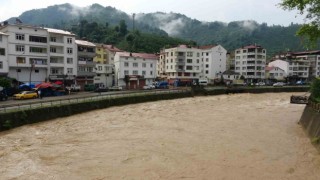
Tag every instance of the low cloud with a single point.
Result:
(249, 25)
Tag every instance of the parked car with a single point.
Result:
(25, 95)
(203, 82)
(278, 84)
(101, 89)
(162, 85)
(89, 87)
(148, 87)
(300, 83)
(260, 84)
(115, 88)
(3, 96)
(74, 87)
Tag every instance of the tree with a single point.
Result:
(123, 28)
(4, 82)
(311, 10)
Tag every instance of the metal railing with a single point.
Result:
(63, 100)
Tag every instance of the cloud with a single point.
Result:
(249, 24)
(167, 22)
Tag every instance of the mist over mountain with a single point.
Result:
(274, 38)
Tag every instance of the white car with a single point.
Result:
(148, 87)
(278, 84)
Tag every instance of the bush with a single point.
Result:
(315, 90)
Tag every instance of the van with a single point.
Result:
(203, 82)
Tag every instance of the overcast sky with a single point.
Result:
(203, 10)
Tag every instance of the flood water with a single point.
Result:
(241, 136)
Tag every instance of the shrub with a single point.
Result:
(315, 90)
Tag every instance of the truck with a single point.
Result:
(74, 87)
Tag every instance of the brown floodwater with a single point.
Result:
(240, 136)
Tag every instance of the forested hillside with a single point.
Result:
(150, 32)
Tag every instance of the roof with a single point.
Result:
(270, 68)
(206, 47)
(251, 46)
(85, 43)
(4, 34)
(112, 48)
(230, 72)
(138, 55)
(59, 31)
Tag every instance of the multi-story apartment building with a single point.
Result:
(275, 73)
(105, 64)
(214, 60)
(302, 65)
(27, 52)
(134, 70)
(37, 54)
(4, 68)
(187, 64)
(86, 52)
(63, 55)
(250, 62)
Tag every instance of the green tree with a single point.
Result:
(311, 10)
(4, 82)
(123, 28)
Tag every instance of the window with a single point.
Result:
(38, 39)
(189, 54)
(20, 48)
(126, 64)
(151, 65)
(54, 71)
(20, 37)
(69, 70)
(53, 49)
(189, 60)
(189, 68)
(69, 60)
(18, 70)
(143, 72)
(144, 65)
(207, 59)
(207, 65)
(69, 50)
(21, 60)
(1, 65)
(207, 54)
(2, 52)
(151, 73)
(198, 54)
(135, 72)
(126, 72)
(198, 61)
(207, 72)
(0, 38)
(53, 39)
(171, 61)
(100, 68)
(69, 40)
(37, 50)
(135, 64)
(36, 70)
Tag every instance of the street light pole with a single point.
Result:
(31, 68)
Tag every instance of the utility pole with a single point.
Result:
(133, 15)
(31, 68)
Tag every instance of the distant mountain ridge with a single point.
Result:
(230, 35)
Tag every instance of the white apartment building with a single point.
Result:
(111, 51)
(63, 56)
(299, 67)
(37, 54)
(27, 52)
(214, 62)
(4, 67)
(275, 73)
(104, 75)
(134, 70)
(250, 62)
(187, 64)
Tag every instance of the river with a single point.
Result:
(239, 136)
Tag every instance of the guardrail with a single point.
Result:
(95, 97)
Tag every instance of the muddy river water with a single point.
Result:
(241, 136)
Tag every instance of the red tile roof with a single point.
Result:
(139, 55)
(112, 48)
(251, 46)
